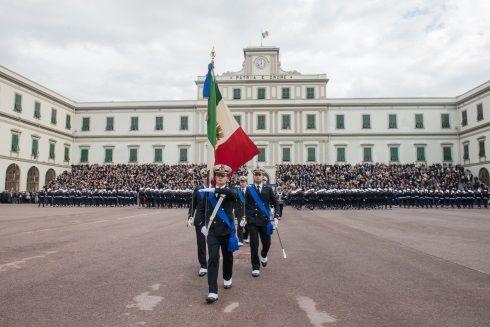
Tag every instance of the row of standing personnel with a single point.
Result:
(379, 198)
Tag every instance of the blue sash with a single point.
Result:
(240, 195)
(233, 242)
(201, 193)
(262, 208)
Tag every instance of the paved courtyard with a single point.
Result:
(138, 267)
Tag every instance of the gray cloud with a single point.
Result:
(153, 50)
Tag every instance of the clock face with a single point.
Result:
(261, 63)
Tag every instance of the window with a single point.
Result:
(261, 122)
(311, 124)
(51, 150)
(133, 155)
(340, 154)
(261, 155)
(158, 155)
(37, 110)
(311, 154)
(445, 121)
(237, 94)
(261, 93)
(134, 123)
(68, 122)
(85, 123)
(67, 153)
(109, 124)
(159, 123)
(420, 153)
(340, 122)
(286, 121)
(35, 147)
(108, 155)
(286, 154)
(184, 123)
(464, 118)
(310, 93)
(392, 121)
(447, 155)
(419, 121)
(238, 119)
(84, 155)
(183, 154)
(18, 102)
(53, 116)
(479, 111)
(285, 92)
(481, 152)
(368, 154)
(366, 121)
(394, 154)
(466, 151)
(15, 143)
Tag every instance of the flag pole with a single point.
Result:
(261, 38)
(208, 182)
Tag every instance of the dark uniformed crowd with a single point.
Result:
(372, 186)
(387, 198)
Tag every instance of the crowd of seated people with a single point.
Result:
(145, 185)
(379, 185)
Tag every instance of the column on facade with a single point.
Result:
(271, 119)
(296, 121)
(250, 123)
(276, 121)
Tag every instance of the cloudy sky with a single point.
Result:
(117, 50)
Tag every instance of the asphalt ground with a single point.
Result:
(138, 267)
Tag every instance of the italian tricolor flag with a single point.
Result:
(265, 34)
(229, 144)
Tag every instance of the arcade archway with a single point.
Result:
(12, 180)
(484, 177)
(33, 179)
(50, 175)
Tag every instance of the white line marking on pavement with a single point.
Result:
(155, 287)
(231, 307)
(90, 222)
(16, 264)
(40, 230)
(145, 214)
(145, 301)
(317, 318)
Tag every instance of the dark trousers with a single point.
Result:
(265, 239)
(201, 247)
(240, 232)
(214, 244)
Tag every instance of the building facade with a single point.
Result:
(287, 114)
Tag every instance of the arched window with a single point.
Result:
(50, 175)
(33, 179)
(484, 177)
(12, 181)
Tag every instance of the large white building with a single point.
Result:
(287, 114)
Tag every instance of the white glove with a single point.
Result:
(204, 230)
(276, 221)
(209, 189)
(243, 222)
(190, 222)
